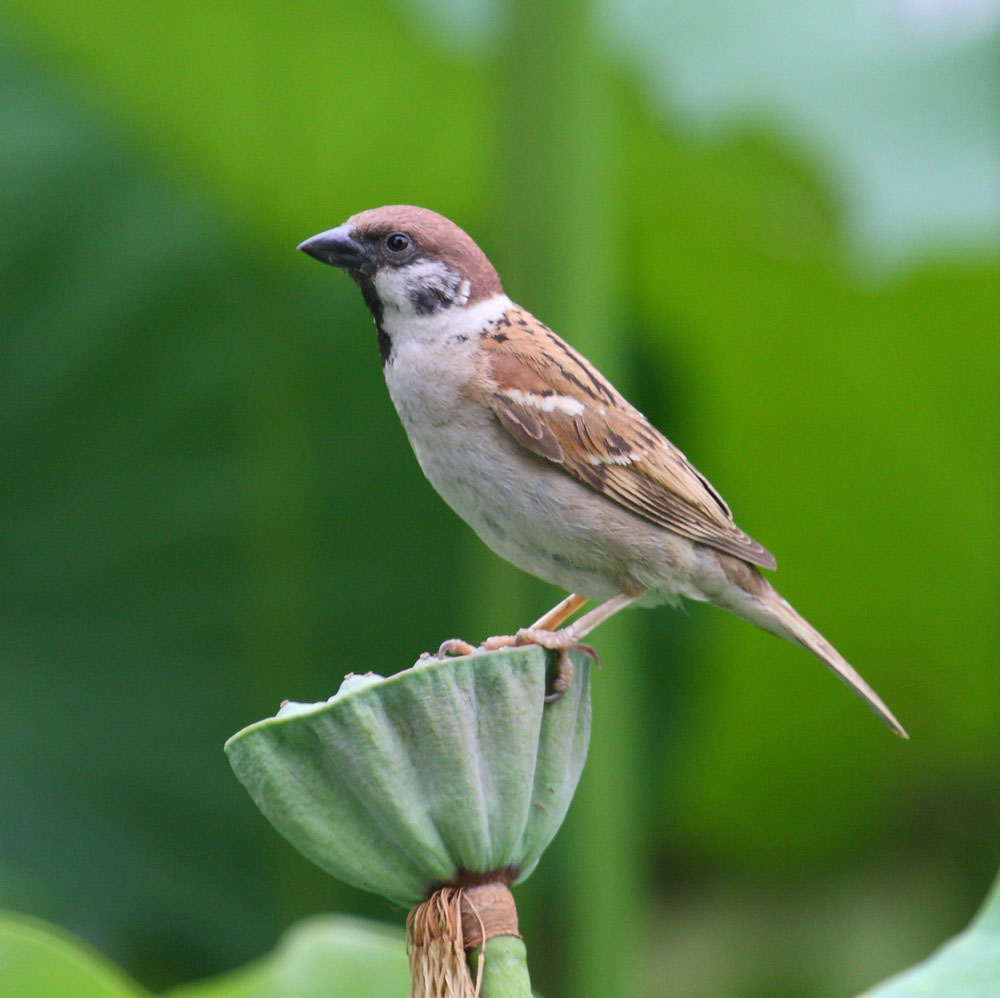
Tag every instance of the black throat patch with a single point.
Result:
(374, 304)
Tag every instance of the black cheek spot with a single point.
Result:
(500, 337)
(427, 300)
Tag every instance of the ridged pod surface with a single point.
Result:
(443, 773)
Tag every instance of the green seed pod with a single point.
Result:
(445, 773)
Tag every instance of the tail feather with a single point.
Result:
(781, 619)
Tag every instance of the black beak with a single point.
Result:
(337, 247)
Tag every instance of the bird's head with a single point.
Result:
(407, 260)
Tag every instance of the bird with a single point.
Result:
(547, 462)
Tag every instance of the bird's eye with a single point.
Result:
(398, 242)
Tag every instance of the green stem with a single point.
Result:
(566, 238)
(505, 968)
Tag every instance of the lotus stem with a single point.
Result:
(464, 943)
(505, 968)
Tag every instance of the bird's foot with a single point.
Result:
(454, 646)
(553, 640)
(563, 677)
(500, 641)
(563, 642)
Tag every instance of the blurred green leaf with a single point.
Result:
(322, 956)
(41, 961)
(318, 957)
(966, 967)
(892, 101)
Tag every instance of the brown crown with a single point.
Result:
(435, 236)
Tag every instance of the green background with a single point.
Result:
(776, 230)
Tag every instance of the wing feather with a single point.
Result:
(554, 403)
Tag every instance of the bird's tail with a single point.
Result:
(769, 610)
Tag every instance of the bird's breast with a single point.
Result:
(427, 384)
(527, 509)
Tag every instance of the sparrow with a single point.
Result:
(551, 466)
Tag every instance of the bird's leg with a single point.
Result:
(560, 612)
(547, 622)
(569, 637)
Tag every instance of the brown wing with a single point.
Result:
(553, 402)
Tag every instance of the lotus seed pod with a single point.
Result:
(446, 773)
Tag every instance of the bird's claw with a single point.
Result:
(562, 642)
(563, 678)
(454, 646)
(500, 641)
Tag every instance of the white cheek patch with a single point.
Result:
(391, 286)
(546, 403)
(421, 287)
